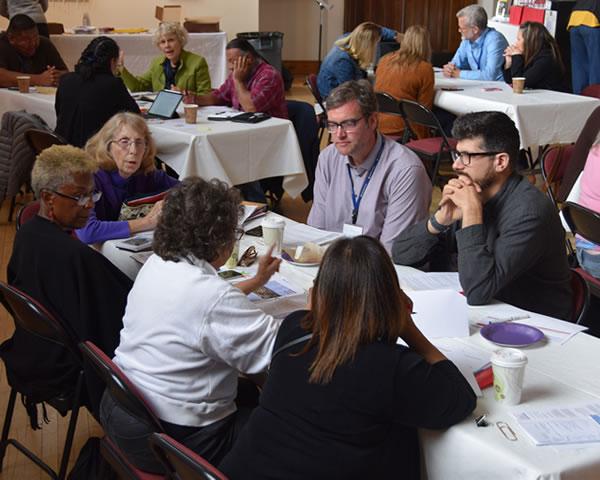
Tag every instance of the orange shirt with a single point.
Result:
(401, 82)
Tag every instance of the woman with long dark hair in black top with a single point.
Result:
(92, 94)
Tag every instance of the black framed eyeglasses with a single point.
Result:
(249, 257)
(465, 157)
(239, 233)
(347, 125)
(82, 200)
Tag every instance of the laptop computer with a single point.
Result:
(165, 105)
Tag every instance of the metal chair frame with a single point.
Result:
(48, 327)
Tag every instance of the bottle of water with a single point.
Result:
(86, 20)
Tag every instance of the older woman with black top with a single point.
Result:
(92, 94)
(343, 399)
(536, 56)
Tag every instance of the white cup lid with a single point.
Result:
(270, 222)
(509, 357)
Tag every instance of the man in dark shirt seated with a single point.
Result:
(73, 281)
(501, 233)
(24, 52)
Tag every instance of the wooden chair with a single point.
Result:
(126, 394)
(431, 150)
(32, 317)
(586, 223)
(180, 462)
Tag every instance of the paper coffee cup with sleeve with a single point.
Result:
(508, 365)
(273, 229)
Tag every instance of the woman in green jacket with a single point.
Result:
(175, 68)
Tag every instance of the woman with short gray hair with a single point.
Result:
(175, 69)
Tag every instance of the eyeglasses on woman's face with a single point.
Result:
(82, 200)
(126, 143)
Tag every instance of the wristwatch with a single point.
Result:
(437, 225)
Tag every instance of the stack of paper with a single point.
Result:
(561, 425)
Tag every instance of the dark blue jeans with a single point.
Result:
(585, 57)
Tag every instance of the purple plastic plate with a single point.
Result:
(508, 334)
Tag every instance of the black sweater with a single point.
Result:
(363, 424)
(517, 255)
(83, 106)
(543, 72)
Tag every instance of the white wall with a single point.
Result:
(236, 15)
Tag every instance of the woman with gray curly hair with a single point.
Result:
(187, 332)
(176, 68)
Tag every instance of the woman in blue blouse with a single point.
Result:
(351, 55)
(124, 151)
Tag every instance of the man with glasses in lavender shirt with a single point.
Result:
(500, 232)
(365, 183)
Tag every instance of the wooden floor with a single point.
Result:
(48, 442)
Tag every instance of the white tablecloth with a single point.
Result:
(542, 116)
(140, 50)
(233, 152)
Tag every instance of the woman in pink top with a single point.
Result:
(588, 253)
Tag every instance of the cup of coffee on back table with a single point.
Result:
(518, 84)
(191, 112)
(23, 82)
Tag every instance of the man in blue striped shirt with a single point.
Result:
(480, 54)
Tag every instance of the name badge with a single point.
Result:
(352, 230)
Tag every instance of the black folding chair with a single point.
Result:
(431, 150)
(31, 316)
(389, 105)
(180, 462)
(311, 83)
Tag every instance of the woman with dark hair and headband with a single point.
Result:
(92, 94)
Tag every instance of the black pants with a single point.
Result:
(131, 434)
(43, 30)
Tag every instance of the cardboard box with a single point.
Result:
(202, 24)
(168, 13)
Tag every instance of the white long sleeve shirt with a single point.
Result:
(186, 335)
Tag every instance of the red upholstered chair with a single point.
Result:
(127, 395)
(180, 462)
(555, 162)
(31, 316)
(388, 104)
(592, 91)
(431, 150)
(586, 223)
(27, 212)
(311, 83)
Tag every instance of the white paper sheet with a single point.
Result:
(298, 233)
(281, 307)
(431, 281)
(466, 358)
(561, 425)
(440, 313)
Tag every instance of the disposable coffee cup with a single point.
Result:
(23, 82)
(518, 84)
(273, 233)
(191, 112)
(508, 365)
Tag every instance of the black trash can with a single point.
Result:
(268, 44)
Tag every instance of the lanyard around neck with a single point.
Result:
(356, 201)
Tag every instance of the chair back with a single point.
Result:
(40, 140)
(180, 462)
(592, 91)
(311, 83)
(123, 391)
(388, 104)
(582, 221)
(581, 296)
(584, 142)
(32, 316)
(555, 162)
(27, 213)
(417, 114)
